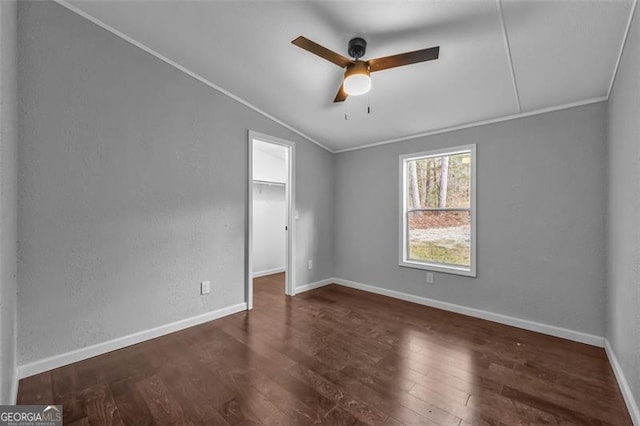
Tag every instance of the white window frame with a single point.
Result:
(403, 243)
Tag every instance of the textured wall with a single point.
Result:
(623, 301)
(540, 212)
(8, 210)
(314, 205)
(132, 188)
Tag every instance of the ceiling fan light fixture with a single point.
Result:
(357, 74)
(357, 79)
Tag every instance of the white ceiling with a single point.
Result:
(497, 58)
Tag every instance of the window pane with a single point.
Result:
(440, 237)
(439, 182)
(459, 181)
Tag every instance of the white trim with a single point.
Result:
(203, 80)
(248, 244)
(507, 46)
(478, 123)
(290, 196)
(268, 272)
(625, 389)
(624, 42)
(13, 393)
(42, 365)
(551, 330)
(402, 192)
(313, 286)
(185, 70)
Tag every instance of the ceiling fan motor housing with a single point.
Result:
(357, 47)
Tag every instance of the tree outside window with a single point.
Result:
(438, 211)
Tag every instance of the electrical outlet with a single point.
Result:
(310, 264)
(429, 277)
(205, 287)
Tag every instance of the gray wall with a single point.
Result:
(8, 203)
(314, 204)
(132, 189)
(623, 291)
(540, 212)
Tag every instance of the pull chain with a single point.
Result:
(346, 109)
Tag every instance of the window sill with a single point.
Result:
(455, 270)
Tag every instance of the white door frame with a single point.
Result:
(290, 202)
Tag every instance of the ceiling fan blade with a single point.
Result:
(321, 51)
(341, 96)
(379, 64)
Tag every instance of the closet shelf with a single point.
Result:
(269, 183)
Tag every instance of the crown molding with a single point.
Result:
(479, 123)
(219, 89)
(184, 69)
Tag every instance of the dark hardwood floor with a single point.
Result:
(338, 356)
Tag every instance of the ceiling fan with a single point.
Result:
(357, 80)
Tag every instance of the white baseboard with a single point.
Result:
(268, 272)
(56, 361)
(627, 394)
(312, 286)
(564, 333)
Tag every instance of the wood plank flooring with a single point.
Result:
(338, 356)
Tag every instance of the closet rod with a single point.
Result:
(267, 182)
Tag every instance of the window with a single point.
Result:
(437, 208)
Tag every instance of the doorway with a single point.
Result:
(270, 211)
